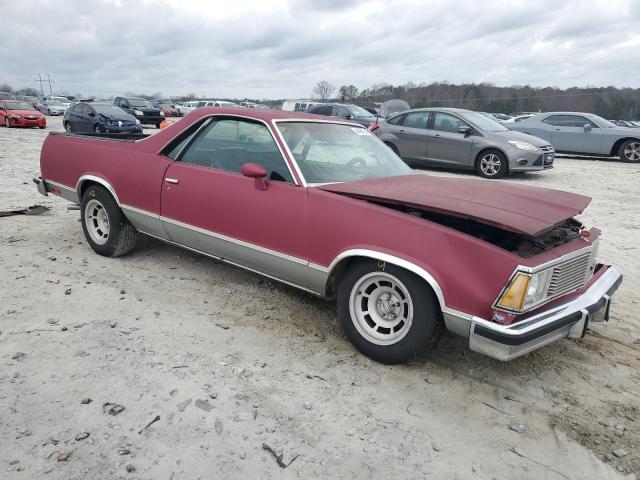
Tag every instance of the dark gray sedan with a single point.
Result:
(458, 138)
(584, 134)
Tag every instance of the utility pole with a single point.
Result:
(49, 79)
(40, 80)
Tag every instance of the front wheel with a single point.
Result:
(388, 313)
(98, 129)
(105, 227)
(67, 127)
(630, 151)
(492, 164)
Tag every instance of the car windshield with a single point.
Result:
(483, 122)
(107, 109)
(18, 106)
(332, 153)
(139, 102)
(357, 111)
(54, 102)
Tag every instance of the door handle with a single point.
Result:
(172, 180)
(557, 129)
(401, 130)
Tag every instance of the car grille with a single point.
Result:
(572, 274)
(546, 148)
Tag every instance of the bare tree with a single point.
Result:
(352, 92)
(323, 90)
(5, 87)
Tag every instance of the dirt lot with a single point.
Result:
(162, 326)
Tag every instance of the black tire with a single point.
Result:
(426, 324)
(158, 125)
(67, 127)
(121, 236)
(98, 129)
(488, 160)
(392, 147)
(42, 127)
(629, 151)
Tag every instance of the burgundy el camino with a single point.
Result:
(323, 205)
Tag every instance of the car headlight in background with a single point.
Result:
(522, 145)
(525, 291)
(137, 112)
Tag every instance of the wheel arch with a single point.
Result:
(341, 263)
(85, 180)
(616, 146)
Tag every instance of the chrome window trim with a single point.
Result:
(539, 268)
(245, 117)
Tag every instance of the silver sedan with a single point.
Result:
(584, 134)
(453, 137)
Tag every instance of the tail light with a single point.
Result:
(373, 126)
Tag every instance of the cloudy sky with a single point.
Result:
(280, 49)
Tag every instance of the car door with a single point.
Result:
(208, 205)
(412, 136)
(574, 133)
(446, 144)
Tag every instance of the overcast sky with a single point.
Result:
(270, 49)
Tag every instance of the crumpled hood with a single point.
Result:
(515, 208)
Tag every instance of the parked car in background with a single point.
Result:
(185, 108)
(50, 107)
(457, 138)
(57, 98)
(373, 111)
(343, 110)
(518, 118)
(624, 123)
(336, 213)
(99, 117)
(248, 104)
(298, 105)
(583, 134)
(220, 103)
(141, 109)
(168, 110)
(16, 113)
(7, 96)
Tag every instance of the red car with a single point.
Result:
(168, 110)
(16, 113)
(323, 205)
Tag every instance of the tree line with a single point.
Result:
(608, 102)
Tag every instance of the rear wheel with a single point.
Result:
(388, 313)
(105, 227)
(392, 147)
(630, 151)
(492, 164)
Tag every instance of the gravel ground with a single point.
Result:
(162, 326)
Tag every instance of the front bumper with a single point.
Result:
(571, 319)
(531, 161)
(123, 129)
(150, 120)
(28, 122)
(40, 186)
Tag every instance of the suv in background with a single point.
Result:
(141, 109)
(7, 96)
(346, 111)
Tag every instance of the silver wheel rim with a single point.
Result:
(97, 221)
(381, 308)
(490, 164)
(632, 152)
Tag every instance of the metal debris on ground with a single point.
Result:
(112, 408)
(218, 426)
(278, 457)
(32, 210)
(131, 468)
(150, 423)
(82, 436)
(203, 405)
(183, 405)
(124, 451)
(63, 457)
(86, 401)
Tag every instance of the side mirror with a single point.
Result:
(257, 172)
(465, 130)
(92, 114)
(587, 127)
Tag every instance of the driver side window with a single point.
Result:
(227, 144)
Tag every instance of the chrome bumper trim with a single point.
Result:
(42, 189)
(505, 342)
